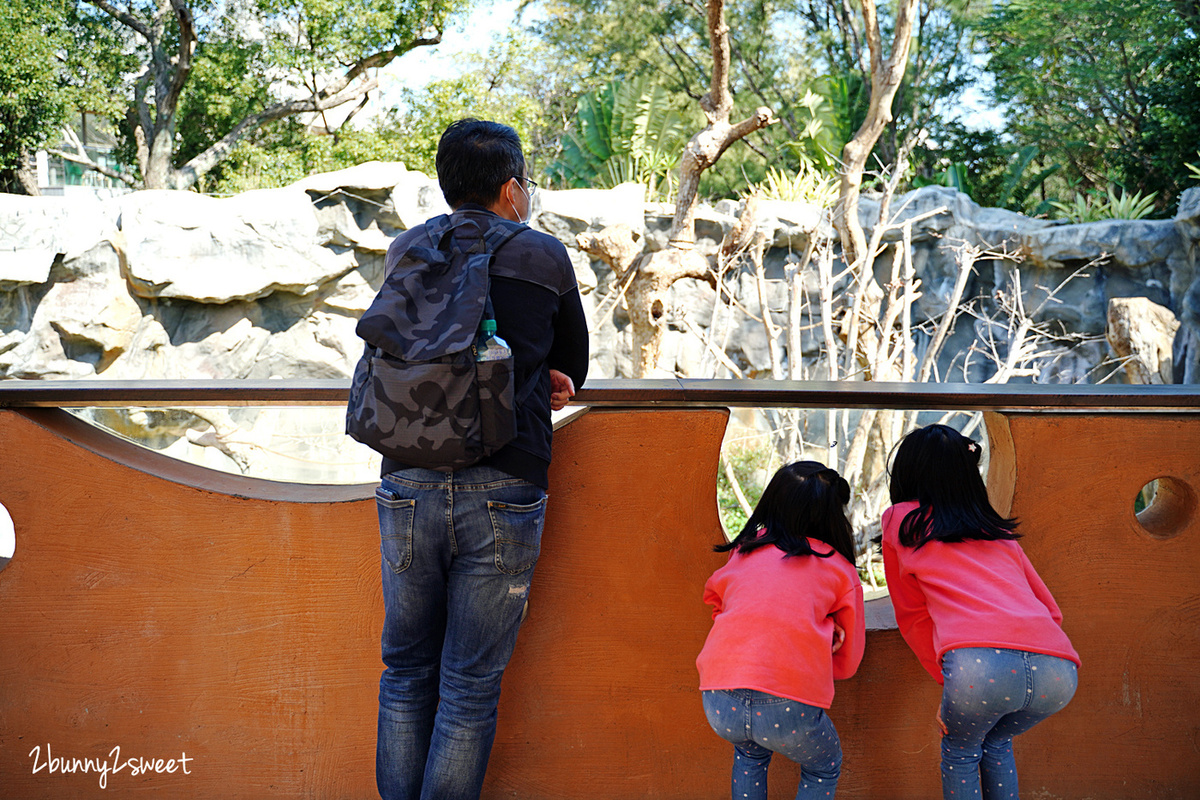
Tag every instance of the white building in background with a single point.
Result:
(58, 177)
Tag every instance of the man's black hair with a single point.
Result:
(804, 500)
(939, 468)
(475, 158)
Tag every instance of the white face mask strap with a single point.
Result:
(524, 220)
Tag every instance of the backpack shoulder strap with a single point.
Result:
(495, 237)
(498, 234)
(438, 227)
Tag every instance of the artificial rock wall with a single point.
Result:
(269, 284)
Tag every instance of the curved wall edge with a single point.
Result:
(122, 451)
(1002, 462)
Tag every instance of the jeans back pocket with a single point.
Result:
(395, 528)
(518, 532)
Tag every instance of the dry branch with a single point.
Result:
(886, 75)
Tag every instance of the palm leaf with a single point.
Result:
(625, 131)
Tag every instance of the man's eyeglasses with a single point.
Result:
(530, 184)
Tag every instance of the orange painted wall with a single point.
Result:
(143, 613)
(167, 609)
(1131, 602)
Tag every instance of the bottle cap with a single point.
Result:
(488, 326)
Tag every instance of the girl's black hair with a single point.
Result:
(804, 499)
(939, 468)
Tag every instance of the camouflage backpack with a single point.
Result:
(418, 395)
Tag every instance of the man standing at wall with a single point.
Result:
(459, 547)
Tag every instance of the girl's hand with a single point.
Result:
(562, 389)
(941, 725)
(839, 637)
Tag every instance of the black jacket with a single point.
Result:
(539, 314)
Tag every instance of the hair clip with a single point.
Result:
(973, 447)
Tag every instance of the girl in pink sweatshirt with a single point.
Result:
(787, 622)
(972, 608)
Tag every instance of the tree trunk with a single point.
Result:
(158, 172)
(649, 279)
(656, 273)
(707, 146)
(1142, 334)
(27, 177)
(704, 150)
(885, 81)
(152, 115)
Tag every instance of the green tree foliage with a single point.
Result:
(1172, 126)
(1093, 207)
(32, 101)
(207, 74)
(1108, 88)
(500, 84)
(995, 174)
(845, 97)
(226, 85)
(1015, 187)
(56, 63)
(783, 53)
(667, 43)
(626, 131)
(287, 152)
(943, 62)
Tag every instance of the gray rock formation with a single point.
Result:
(1185, 288)
(270, 284)
(1141, 334)
(187, 246)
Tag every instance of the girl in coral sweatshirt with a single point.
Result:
(972, 608)
(787, 622)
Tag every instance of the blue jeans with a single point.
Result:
(989, 696)
(458, 554)
(760, 724)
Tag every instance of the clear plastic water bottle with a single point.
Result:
(489, 346)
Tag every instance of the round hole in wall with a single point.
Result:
(1167, 506)
(8, 538)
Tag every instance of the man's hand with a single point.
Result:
(839, 637)
(562, 389)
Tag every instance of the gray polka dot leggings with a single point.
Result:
(760, 724)
(989, 696)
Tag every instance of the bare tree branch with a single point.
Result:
(190, 172)
(82, 158)
(707, 146)
(92, 165)
(124, 17)
(965, 257)
(736, 486)
(886, 76)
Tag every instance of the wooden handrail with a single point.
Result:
(643, 393)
